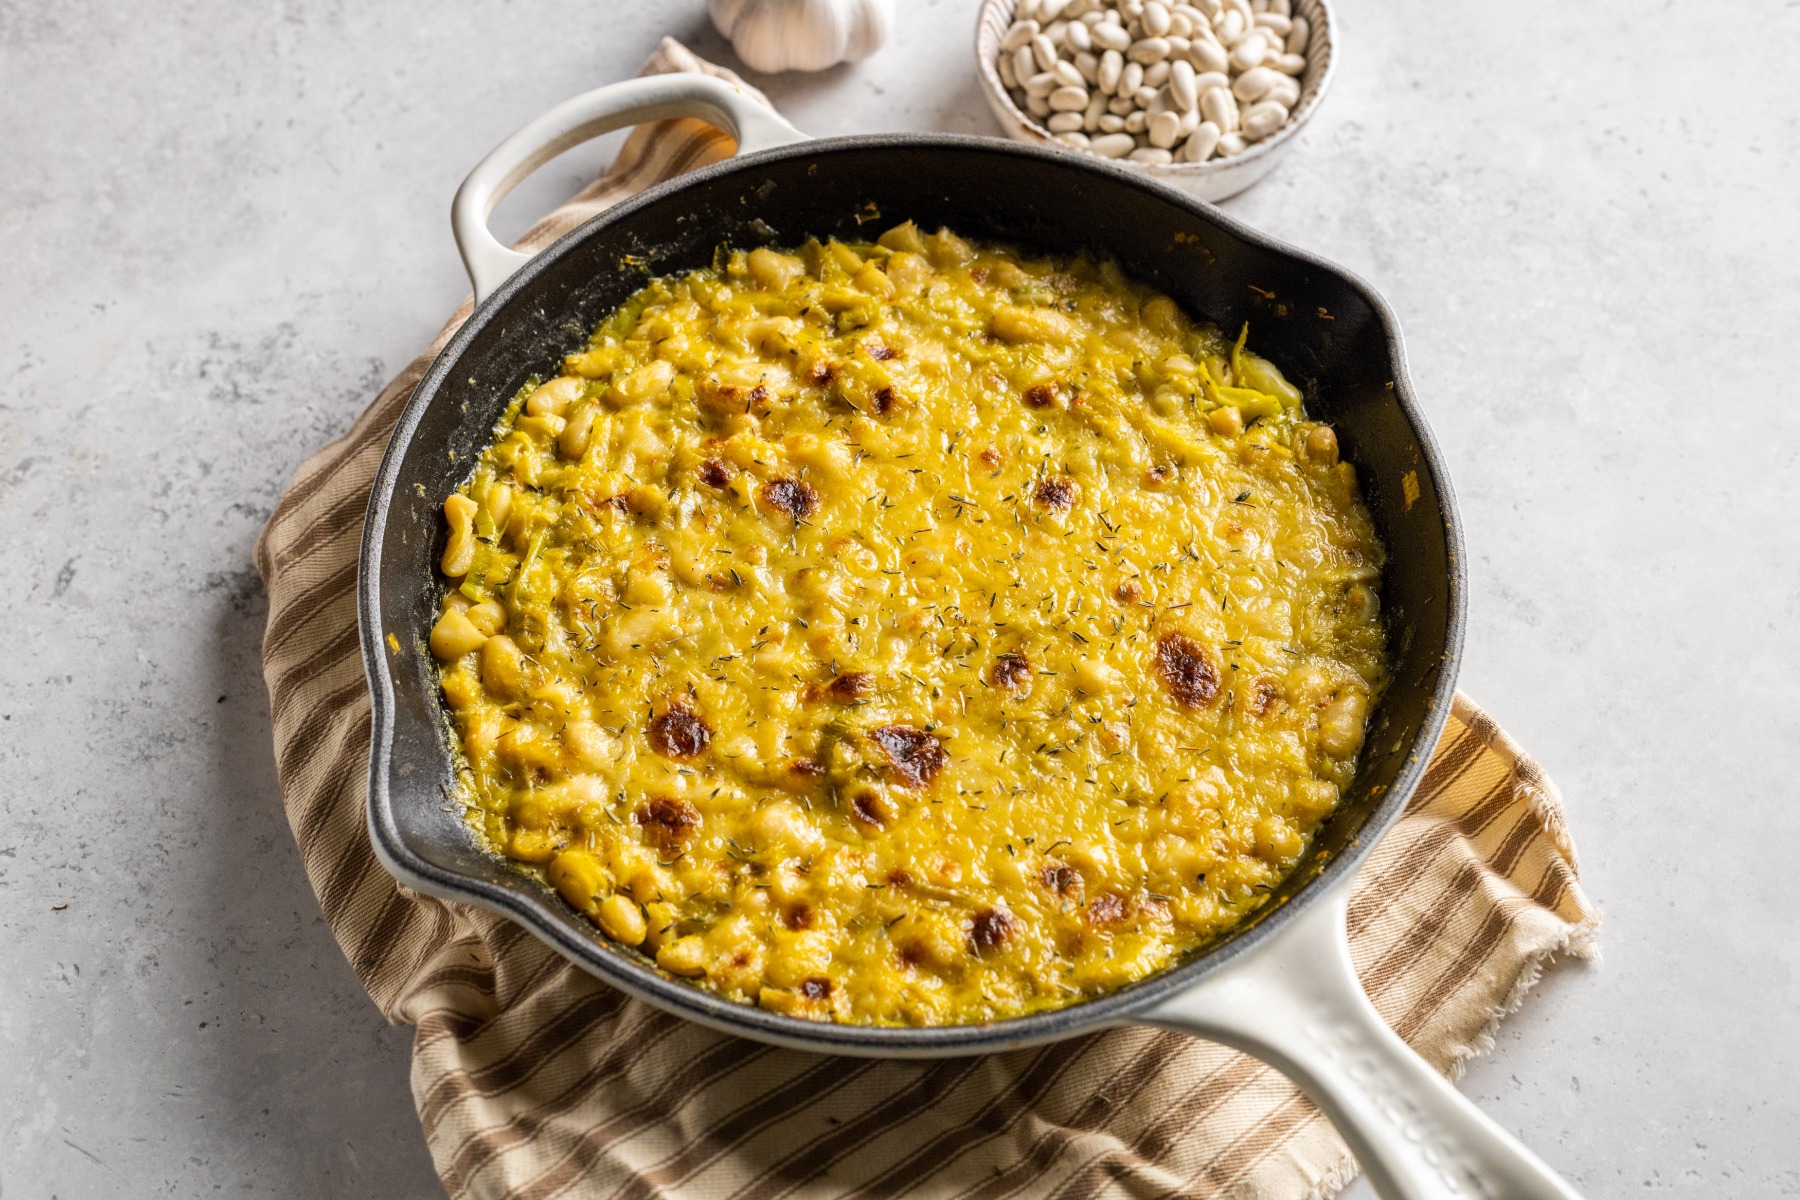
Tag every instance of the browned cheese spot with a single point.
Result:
(1055, 493)
(850, 687)
(881, 353)
(820, 373)
(1155, 477)
(883, 401)
(1262, 698)
(992, 927)
(1186, 671)
(714, 474)
(899, 878)
(1108, 908)
(1010, 672)
(798, 500)
(871, 808)
(816, 989)
(1129, 592)
(915, 756)
(678, 732)
(992, 458)
(1060, 878)
(806, 768)
(668, 822)
(1040, 395)
(798, 917)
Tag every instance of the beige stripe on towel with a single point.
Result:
(535, 1080)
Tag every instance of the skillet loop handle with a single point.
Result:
(1295, 1003)
(649, 98)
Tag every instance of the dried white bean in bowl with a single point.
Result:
(1156, 81)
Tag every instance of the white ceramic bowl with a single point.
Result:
(1214, 179)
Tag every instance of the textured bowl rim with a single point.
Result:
(996, 15)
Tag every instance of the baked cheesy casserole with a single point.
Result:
(912, 632)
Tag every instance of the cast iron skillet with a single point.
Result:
(1281, 987)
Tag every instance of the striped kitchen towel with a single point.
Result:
(536, 1080)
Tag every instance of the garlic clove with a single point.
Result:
(802, 35)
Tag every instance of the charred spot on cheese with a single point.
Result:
(1186, 670)
(992, 927)
(678, 732)
(1010, 671)
(791, 496)
(871, 808)
(1060, 878)
(816, 988)
(1108, 908)
(1155, 477)
(914, 756)
(992, 458)
(1057, 494)
(883, 401)
(1263, 696)
(821, 373)
(1129, 592)
(667, 822)
(899, 877)
(806, 768)
(798, 916)
(881, 352)
(714, 474)
(851, 686)
(1041, 395)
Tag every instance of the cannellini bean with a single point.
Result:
(1232, 143)
(1054, 31)
(1148, 50)
(1037, 106)
(1121, 105)
(1024, 62)
(1064, 122)
(455, 635)
(1068, 99)
(459, 553)
(1018, 34)
(1111, 122)
(1153, 155)
(1163, 129)
(1049, 10)
(1210, 79)
(1148, 99)
(1114, 145)
(1074, 138)
(1156, 18)
(1044, 51)
(1260, 120)
(1285, 93)
(1181, 85)
(1283, 7)
(1230, 26)
(1113, 37)
(622, 920)
(1207, 8)
(1157, 73)
(1201, 143)
(1090, 120)
(1288, 64)
(1255, 83)
(1067, 74)
(1217, 106)
(1299, 31)
(1089, 66)
(1274, 22)
(1076, 37)
(1249, 51)
(1112, 63)
(1180, 25)
(1008, 78)
(1190, 120)
(1207, 55)
(1137, 122)
(1041, 84)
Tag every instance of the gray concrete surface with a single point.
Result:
(223, 225)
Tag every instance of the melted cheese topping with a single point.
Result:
(911, 632)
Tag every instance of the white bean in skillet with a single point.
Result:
(1156, 81)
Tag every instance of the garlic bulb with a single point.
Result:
(802, 35)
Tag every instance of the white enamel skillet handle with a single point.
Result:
(648, 98)
(1294, 1001)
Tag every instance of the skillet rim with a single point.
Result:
(525, 903)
